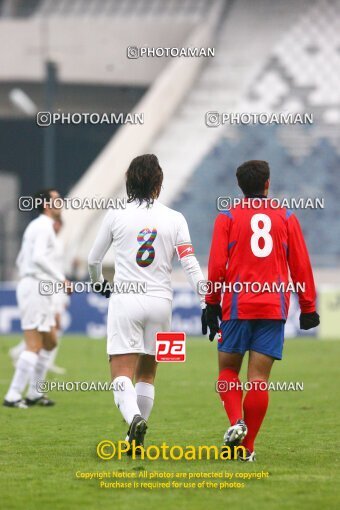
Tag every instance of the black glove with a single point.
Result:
(204, 321)
(213, 315)
(103, 288)
(309, 320)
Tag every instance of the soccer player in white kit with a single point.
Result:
(36, 308)
(60, 302)
(145, 236)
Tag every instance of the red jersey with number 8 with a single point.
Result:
(255, 252)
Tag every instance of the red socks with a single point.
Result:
(232, 398)
(254, 406)
(255, 403)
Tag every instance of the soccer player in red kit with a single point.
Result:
(255, 242)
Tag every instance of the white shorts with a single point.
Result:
(36, 310)
(133, 321)
(60, 302)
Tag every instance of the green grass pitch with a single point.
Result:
(42, 449)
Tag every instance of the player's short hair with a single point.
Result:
(252, 175)
(144, 179)
(45, 195)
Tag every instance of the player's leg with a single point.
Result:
(230, 390)
(28, 302)
(229, 385)
(53, 353)
(259, 366)
(46, 321)
(158, 313)
(123, 368)
(122, 373)
(60, 302)
(34, 396)
(24, 369)
(28, 299)
(266, 346)
(255, 402)
(232, 346)
(145, 389)
(124, 344)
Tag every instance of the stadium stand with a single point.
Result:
(186, 139)
(300, 74)
(176, 9)
(90, 49)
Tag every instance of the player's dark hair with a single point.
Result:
(45, 195)
(144, 179)
(252, 175)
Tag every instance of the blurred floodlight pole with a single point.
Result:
(49, 148)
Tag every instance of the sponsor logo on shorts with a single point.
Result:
(170, 346)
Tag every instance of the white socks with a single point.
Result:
(23, 372)
(125, 397)
(39, 374)
(132, 400)
(145, 397)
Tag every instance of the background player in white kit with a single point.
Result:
(60, 302)
(145, 237)
(36, 309)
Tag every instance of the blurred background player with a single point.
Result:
(145, 236)
(36, 264)
(60, 301)
(254, 244)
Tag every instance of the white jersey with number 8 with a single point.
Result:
(145, 241)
